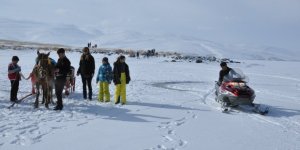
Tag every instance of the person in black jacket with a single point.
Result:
(86, 70)
(121, 78)
(225, 70)
(62, 68)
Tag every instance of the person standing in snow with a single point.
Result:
(62, 68)
(105, 77)
(14, 75)
(86, 70)
(121, 78)
(225, 70)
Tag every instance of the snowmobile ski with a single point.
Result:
(260, 109)
(225, 110)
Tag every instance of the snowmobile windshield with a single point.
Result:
(235, 75)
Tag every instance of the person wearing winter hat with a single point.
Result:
(121, 78)
(14, 75)
(62, 68)
(225, 70)
(105, 77)
(86, 70)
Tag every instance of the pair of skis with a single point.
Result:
(19, 101)
(255, 108)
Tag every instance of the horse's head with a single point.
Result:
(43, 59)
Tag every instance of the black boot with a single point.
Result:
(58, 107)
(90, 96)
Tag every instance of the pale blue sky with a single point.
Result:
(261, 22)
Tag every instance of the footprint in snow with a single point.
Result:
(164, 127)
(7, 134)
(38, 138)
(182, 143)
(162, 147)
(171, 132)
(181, 119)
(34, 129)
(20, 140)
(167, 138)
(165, 123)
(195, 116)
(81, 124)
(60, 127)
(179, 123)
(23, 132)
(4, 129)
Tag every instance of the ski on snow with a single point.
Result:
(255, 108)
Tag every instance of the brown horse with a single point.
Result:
(44, 72)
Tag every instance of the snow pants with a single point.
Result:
(121, 90)
(104, 92)
(87, 81)
(14, 90)
(59, 87)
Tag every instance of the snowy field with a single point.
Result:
(170, 106)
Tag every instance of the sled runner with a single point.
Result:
(19, 101)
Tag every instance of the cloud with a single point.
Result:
(61, 11)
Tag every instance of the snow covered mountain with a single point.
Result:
(266, 30)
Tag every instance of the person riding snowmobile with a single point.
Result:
(225, 70)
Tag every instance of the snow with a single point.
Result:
(170, 106)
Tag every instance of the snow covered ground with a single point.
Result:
(170, 106)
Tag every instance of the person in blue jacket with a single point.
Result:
(105, 77)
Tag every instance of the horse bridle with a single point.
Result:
(43, 73)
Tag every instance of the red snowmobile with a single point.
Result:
(234, 92)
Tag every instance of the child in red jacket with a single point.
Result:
(33, 80)
(14, 75)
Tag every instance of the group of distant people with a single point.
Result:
(147, 54)
(89, 45)
(119, 74)
(151, 53)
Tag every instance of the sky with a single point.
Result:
(256, 22)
